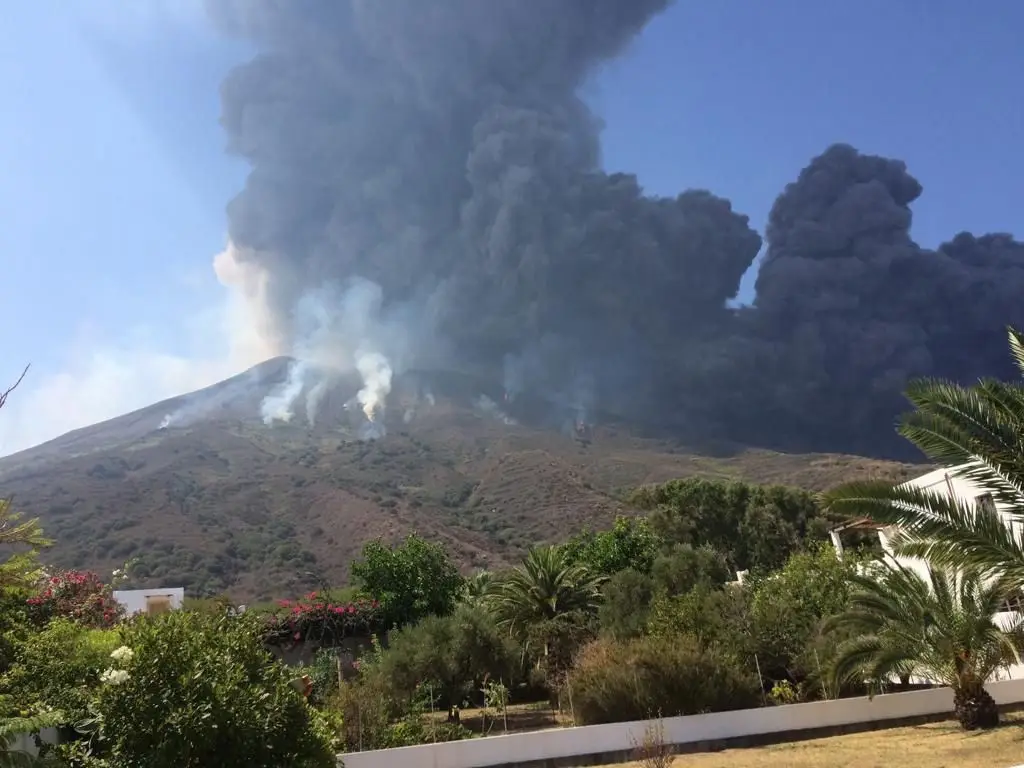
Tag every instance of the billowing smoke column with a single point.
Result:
(439, 151)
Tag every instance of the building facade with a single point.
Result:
(152, 601)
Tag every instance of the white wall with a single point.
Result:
(134, 600)
(619, 737)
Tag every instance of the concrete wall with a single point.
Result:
(588, 745)
(25, 742)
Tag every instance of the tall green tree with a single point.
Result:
(629, 543)
(755, 526)
(978, 433)
(942, 628)
(411, 580)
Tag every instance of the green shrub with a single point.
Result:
(456, 654)
(196, 689)
(614, 681)
(373, 719)
(59, 667)
(366, 710)
(415, 729)
(15, 627)
(715, 618)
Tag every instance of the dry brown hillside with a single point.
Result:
(230, 504)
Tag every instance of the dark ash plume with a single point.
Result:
(441, 150)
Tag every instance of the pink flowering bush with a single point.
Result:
(317, 619)
(80, 596)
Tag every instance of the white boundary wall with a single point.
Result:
(620, 737)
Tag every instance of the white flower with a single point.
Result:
(124, 653)
(114, 676)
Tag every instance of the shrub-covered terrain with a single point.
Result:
(228, 505)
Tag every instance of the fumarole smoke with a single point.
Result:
(439, 155)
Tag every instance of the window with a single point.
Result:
(158, 604)
(1015, 602)
(986, 503)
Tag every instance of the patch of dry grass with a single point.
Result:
(936, 745)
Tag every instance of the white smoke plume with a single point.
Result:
(376, 372)
(279, 404)
(313, 398)
(338, 331)
(582, 397)
(489, 407)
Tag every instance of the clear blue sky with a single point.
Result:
(113, 180)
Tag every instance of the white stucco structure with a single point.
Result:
(946, 482)
(150, 600)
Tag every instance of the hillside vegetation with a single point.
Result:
(229, 505)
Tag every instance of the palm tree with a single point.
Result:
(478, 586)
(941, 628)
(978, 432)
(545, 587)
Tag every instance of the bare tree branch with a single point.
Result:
(14, 386)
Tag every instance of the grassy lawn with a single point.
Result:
(937, 745)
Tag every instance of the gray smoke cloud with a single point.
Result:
(440, 152)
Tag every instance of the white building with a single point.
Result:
(151, 601)
(946, 482)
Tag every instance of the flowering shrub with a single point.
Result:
(316, 618)
(76, 595)
(191, 690)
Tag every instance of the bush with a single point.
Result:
(317, 618)
(59, 668)
(410, 580)
(715, 618)
(614, 681)
(455, 654)
(367, 711)
(193, 689)
(15, 626)
(684, 567)
(373, 719)
(77, 595)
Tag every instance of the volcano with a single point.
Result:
(207, 495)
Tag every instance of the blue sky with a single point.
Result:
(113, 178)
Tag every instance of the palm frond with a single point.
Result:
(942, 625)
(544, 587)
(945, 530)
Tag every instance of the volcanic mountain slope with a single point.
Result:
(217, 501)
